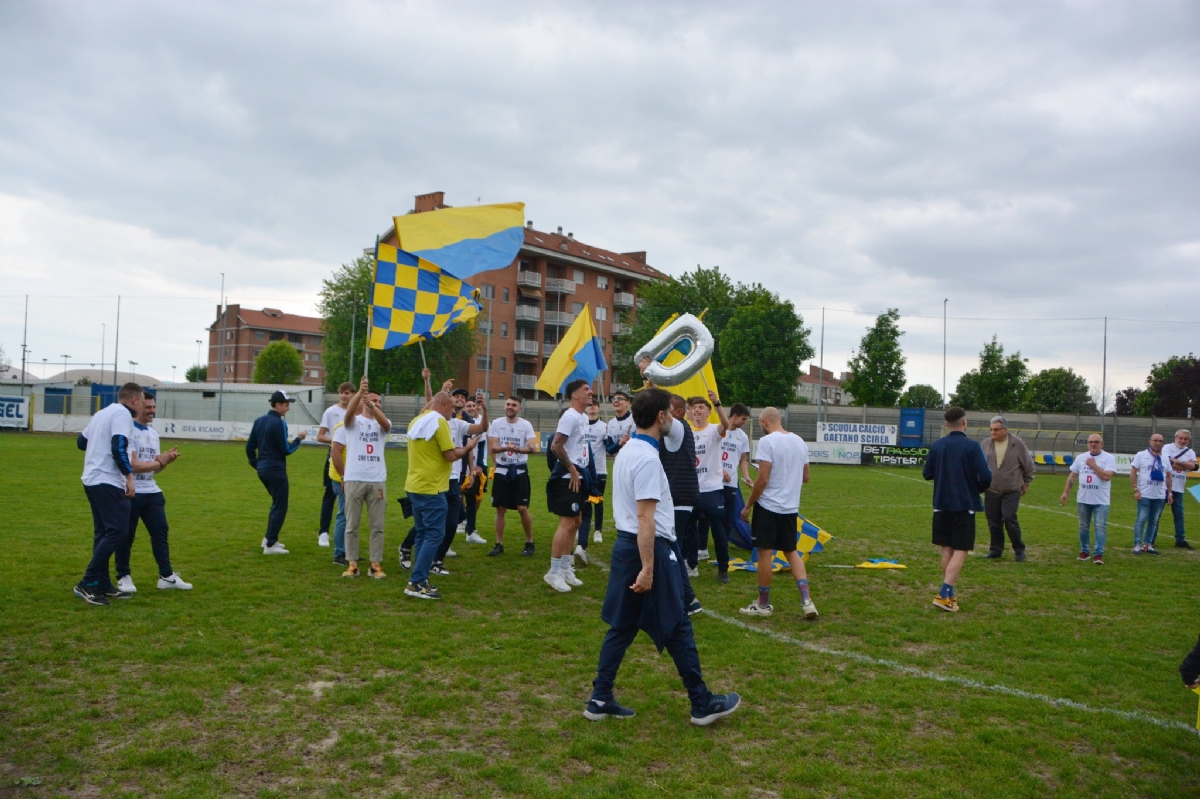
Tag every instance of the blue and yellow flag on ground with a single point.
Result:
(810, 539)
(698, 384)
(414, 300)
(464, 241)
(579, 356)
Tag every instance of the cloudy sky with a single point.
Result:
(1029, 162)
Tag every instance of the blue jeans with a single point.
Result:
(1087, 515)
(1177, 514)
(339, 524)
(453, 517)
(429, 520)
(1145, 529)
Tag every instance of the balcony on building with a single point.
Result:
(524, 382)
(524, 346)
(528, 313)
(622, 299)
(527, 277)
(559, 285)
(561, 318)
(622, 328)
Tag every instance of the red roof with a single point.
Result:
(573, 247)
(286, 322)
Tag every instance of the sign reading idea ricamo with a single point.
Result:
(877, 455)
(856, 433)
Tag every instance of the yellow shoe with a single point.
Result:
(351, 570)
(949, 604)
(376, 571)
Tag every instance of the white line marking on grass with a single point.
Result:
(1023, 504)
(913, 671)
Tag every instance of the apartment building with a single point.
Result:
(529, 305)
(244, 333)
(822, 382)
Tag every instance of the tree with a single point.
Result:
(344, 304)
(1172, 387)
(762, 348)
(197, 374)
(1124, 402)
(877, 368)
(278, 363)
(922, 395)
(84, 381)
(997, 385)
(1058, 391)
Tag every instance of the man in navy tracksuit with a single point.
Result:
(267, 450)
(959, 471)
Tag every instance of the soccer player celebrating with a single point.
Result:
(511, 441)
(597, 434)
(711, 504)
(569, 483)
(358, 448)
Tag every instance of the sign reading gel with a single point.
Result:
(14, 412)
(856, 433)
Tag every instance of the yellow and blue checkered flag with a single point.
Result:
(414, 300)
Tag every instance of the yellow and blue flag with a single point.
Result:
(464, 241)
(414, 300)
(578, 356)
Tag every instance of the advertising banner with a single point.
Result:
(202, 430)
(846, 454)
(857, 433)
(14, 412)
(876, 455)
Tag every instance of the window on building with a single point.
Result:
(296, 338)
(314, 341)
(483, 363)
(313, 373)
(601, 281)
(577, 308)
(229, 335)
(579, 276)
(504, 330)
(485, 328)
(505, 295)
(275, 335)
(316, 357)
(260, 334)
(255, 352)
(503, 364)
(488, 291)
(601, 313)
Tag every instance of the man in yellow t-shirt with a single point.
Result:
(431, 450)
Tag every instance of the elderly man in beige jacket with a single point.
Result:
(1012, 472)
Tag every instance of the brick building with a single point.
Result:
(822, 381)
(529, 305)
(245, 333)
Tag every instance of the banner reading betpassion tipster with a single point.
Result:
(879, 455)
(856, 433)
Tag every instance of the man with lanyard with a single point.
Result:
(1183, 460)
(148, 504)
(333, 414)
(735, 460)
(267, 449)
(597, 432)
(645, 588)
(1148, 474)
(358, 456)
(476, 479)
(620, 428)
(1095, 469)
(710, 505)
(108, 484)
(511, 441)
(775, 498)
(569, 484)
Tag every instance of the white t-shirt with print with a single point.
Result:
(333, 414)
(788, 455)
(596, 433)
(708, 458)
(1093, 490)
(735, 444)
(144, 442)
(619, 428)
(458, 434)
(1179, 479)
(515, 434)
(638, 474)
(1146, 462)
(363, 454)
(573, 424)
(99, 468)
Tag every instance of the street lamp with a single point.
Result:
(44, 368)
(132, 367)
(65, 357)
(197, 352)
(172, 374)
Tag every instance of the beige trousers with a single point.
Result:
(374, 496)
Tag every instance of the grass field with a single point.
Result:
(275, 677)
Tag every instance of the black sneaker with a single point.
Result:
(116, 593)
(992, 556)
(1183, 545)
(720, 705)
(496, 550)
(405, 557)
(90, 595)
(722, 575)
(1020, 556)
(439, 569)
(598, 710)
(694, 608)
(528, 550)
(341, 561)
(422, 591)
(1150, 550)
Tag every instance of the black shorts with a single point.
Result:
(511, 494)
(771, 530)
(561, 500)
(954, 529)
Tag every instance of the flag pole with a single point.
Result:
(421, 346)
(370, 312)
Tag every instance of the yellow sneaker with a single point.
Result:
(376, 571)
(351, 570)
(949, 604)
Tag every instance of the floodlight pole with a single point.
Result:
(25, 345)
(1104, 379)
(103, 337)
(221, 351)
(944, 395)
(116, 344)
(487, 373)
(821, 374)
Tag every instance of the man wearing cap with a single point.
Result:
(1012, 472)
(267, 450)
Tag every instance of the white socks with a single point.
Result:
(563, 564)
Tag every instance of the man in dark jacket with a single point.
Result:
(960, 473)
(1012, 472)
(267, 450)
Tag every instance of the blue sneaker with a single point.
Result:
(720, 705)
(599, 710)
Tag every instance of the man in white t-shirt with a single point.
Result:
(1148, 474)
(358, 449)
(511, 440)
(148, 504)
(620, 428)
(329, 420)
(597, 435)
(1094, 469)
(1183, 460)
(476, 480)
(782, 470)
(645, 584)
(569, 484)
(710, 506)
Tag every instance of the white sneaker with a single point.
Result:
(126, 584)
(570, 578)
(556, 582)
(702, 555)
(694, 571)
(462, 526)
(475, 538)
(174, 581)
(598, 537)
(581, 554)
(323, 540)
(755, 609)
(810, 610)
(264, 542)
(450, 553)
(278, 549)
